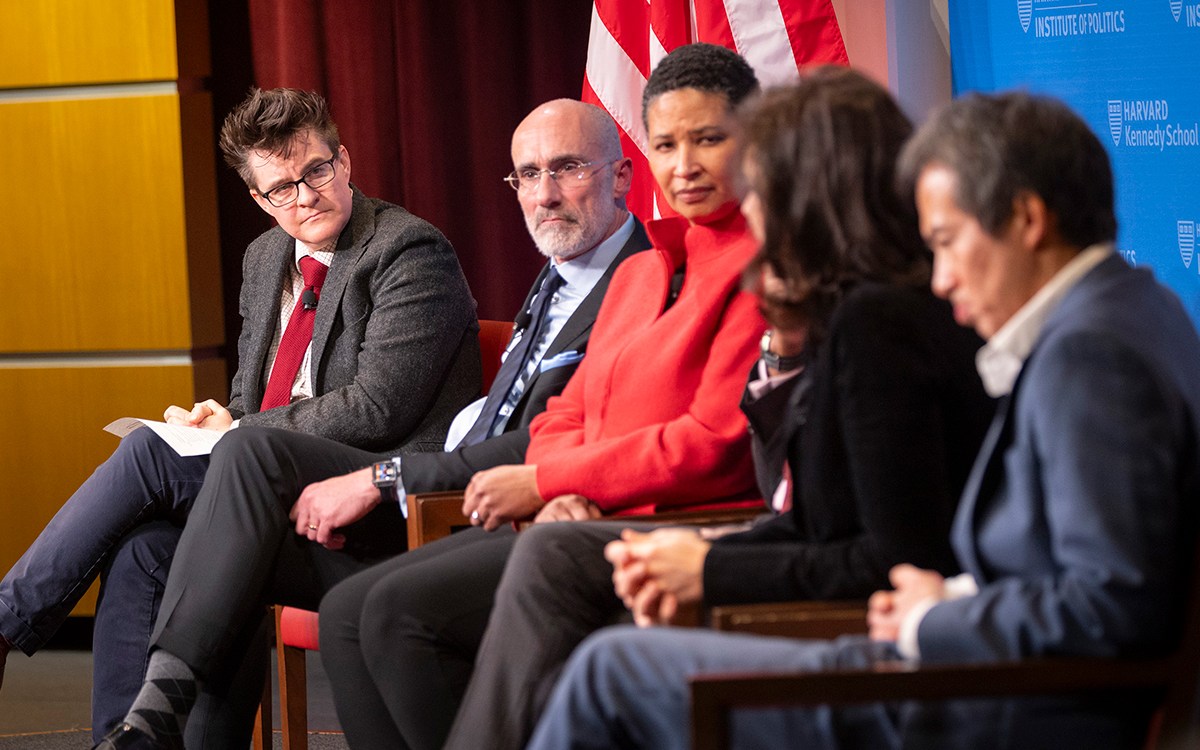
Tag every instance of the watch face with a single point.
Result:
(384, 474)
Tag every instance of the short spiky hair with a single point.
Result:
(269, 121)
(705, 67)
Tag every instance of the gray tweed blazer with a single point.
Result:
(395, 345)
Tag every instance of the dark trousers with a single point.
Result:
(239, 550)
(398, 640)
(556, 590)
(131, 590)
(144, 483)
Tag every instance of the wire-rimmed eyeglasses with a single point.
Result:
(569, 174)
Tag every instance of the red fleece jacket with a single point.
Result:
(650, 421)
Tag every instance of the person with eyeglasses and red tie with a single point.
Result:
(287, 515)
(358, 326)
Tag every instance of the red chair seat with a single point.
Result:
(298, 628)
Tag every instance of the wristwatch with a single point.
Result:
(385, 475)
(775, 361)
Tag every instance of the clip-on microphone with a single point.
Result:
(308, 298)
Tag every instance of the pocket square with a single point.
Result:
(562, 359)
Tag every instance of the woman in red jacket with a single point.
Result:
(866, 411)
(650, 420)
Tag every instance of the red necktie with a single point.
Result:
(296, 337)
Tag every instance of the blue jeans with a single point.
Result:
(131, 587)
(627, 687)
(124, 520)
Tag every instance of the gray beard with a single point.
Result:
(566, 242)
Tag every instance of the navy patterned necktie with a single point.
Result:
(510, 380)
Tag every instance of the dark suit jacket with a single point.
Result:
(896, 414)
(395, 345)
(1080, 517)
(1079, 520)
(452, 470)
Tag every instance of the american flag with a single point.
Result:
(629, 37)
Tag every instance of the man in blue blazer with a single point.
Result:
(1078, 523)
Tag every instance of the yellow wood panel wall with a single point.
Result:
(65, 42)
(111, 296)
(53, 418)
(102, 260)
(203, 244)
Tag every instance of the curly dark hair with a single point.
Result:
(1000, 145)
(269, 120)
(706, 67)
(821, 156)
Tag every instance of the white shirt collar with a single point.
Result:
(325, 256)
(1000, 360)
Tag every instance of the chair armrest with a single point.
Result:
(806, 619)
(715, 695)
(695, 517)
(433, 515)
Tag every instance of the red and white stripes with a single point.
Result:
(629, 37)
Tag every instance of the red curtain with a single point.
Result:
(426, 94)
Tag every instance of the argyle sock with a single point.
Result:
(162, 707)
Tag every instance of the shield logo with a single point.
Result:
(1025, 13)
(1116, 120)
(1176, 8)
(1186, 231)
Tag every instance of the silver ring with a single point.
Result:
(474, 515)
(311, 527)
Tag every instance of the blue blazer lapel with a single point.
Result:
(984, 482)
(981, 486)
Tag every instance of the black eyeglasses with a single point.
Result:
(318, 176)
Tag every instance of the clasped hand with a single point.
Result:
(658, 574)
(568, 508)
(207, 415)
(912, 586)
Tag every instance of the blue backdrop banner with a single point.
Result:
(1131, 69)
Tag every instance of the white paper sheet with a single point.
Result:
(187, 441)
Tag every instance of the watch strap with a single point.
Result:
(777, 362)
